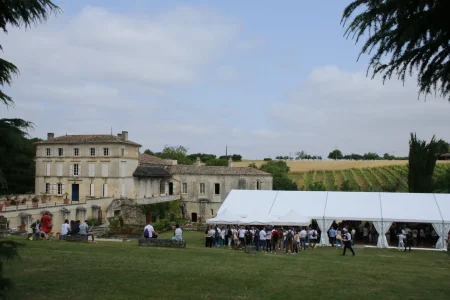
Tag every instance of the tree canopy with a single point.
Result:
(176, 152)
(279, 171)
(404, 36)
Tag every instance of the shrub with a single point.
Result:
(161, 225)
(94, 222)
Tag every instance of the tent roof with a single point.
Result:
(443, 201)
(308, 204)
(258, 218)
(395, 207)
(226, 217)
(353, 206)
(409, 207)
(245, 201)
(293, 218)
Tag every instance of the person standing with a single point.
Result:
(46, 223)
(401, 243)
(217, 236)
(303, 236)
(262, 238)
(289, 241)
(353, 236)
(256, 238)
(409, 240)
(229, 236)
(313, 237)
(332, 234)
(268, 241)
(347, 239)
(275, 239)
(415, 233)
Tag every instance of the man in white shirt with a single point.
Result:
(148, 230)
(415, 233)
(242, 232)
(313, 237)
(303, 237)
(347, 239)
(268, 240)
(401, 243)
(262, 238)
(65, 228)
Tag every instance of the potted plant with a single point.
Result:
(24, 201)
(44, 198)
(1, 206)
(66, 200)
(8, 201)
(35, 201)
(14, 202)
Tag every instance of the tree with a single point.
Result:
(267, 159)
(18, 13)
(403, 36)
(217, 162)
(300, 155)
(335, 154)
(279, 171)
(371, 156)
(176, 152)
(252, 165)
(149, 152)
(421, 163)
(236, 157)
(203, 157)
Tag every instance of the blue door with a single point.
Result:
(75, 192)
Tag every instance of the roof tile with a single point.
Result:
(209, 170)
(87, 139)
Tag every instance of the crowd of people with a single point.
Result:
(272, 239)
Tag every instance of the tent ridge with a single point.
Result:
(439, 208)
(274, 199)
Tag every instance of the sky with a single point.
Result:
(263, 78)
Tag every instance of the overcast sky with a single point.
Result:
(262, 77)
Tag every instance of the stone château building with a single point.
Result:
(106, 166)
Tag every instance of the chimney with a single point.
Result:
(119, 135)
(50, 135)
(125, 135)
(198, 162)
(230, 162)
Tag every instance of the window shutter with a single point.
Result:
(71, 170)
(79, 169)
(91, 190)
(105, 170)
(53, 188)
(63, 189)
(47, 170)
(105, 190)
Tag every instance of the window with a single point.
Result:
(122, 151)
(184, 188)
(123, 168)
(76, 169)
(60, 188)
(60, 151)
(92, 151)
(48, 152)
(105, 151)
(105, 190)
(59, 170)
(48, 188)
(258, 184)
(91, 190)
(202, 188)
(91, 170)
(105, 170)
(76, 151)
(212, 212)
(217, 188)
(47, 169)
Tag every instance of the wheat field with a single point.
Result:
(300, 166)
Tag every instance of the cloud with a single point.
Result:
(336, 107)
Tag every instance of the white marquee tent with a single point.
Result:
(380, 208)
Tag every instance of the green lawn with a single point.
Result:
(107, 270)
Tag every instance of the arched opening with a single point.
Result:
(258, 184)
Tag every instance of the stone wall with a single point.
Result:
(59, 213)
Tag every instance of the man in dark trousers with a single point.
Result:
(347, 238)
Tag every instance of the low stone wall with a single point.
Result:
(161, 243)
(73, 238)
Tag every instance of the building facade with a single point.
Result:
(86, 166)
(83, 167)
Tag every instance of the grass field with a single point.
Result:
(108, 270)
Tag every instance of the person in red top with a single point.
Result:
(46, 223)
